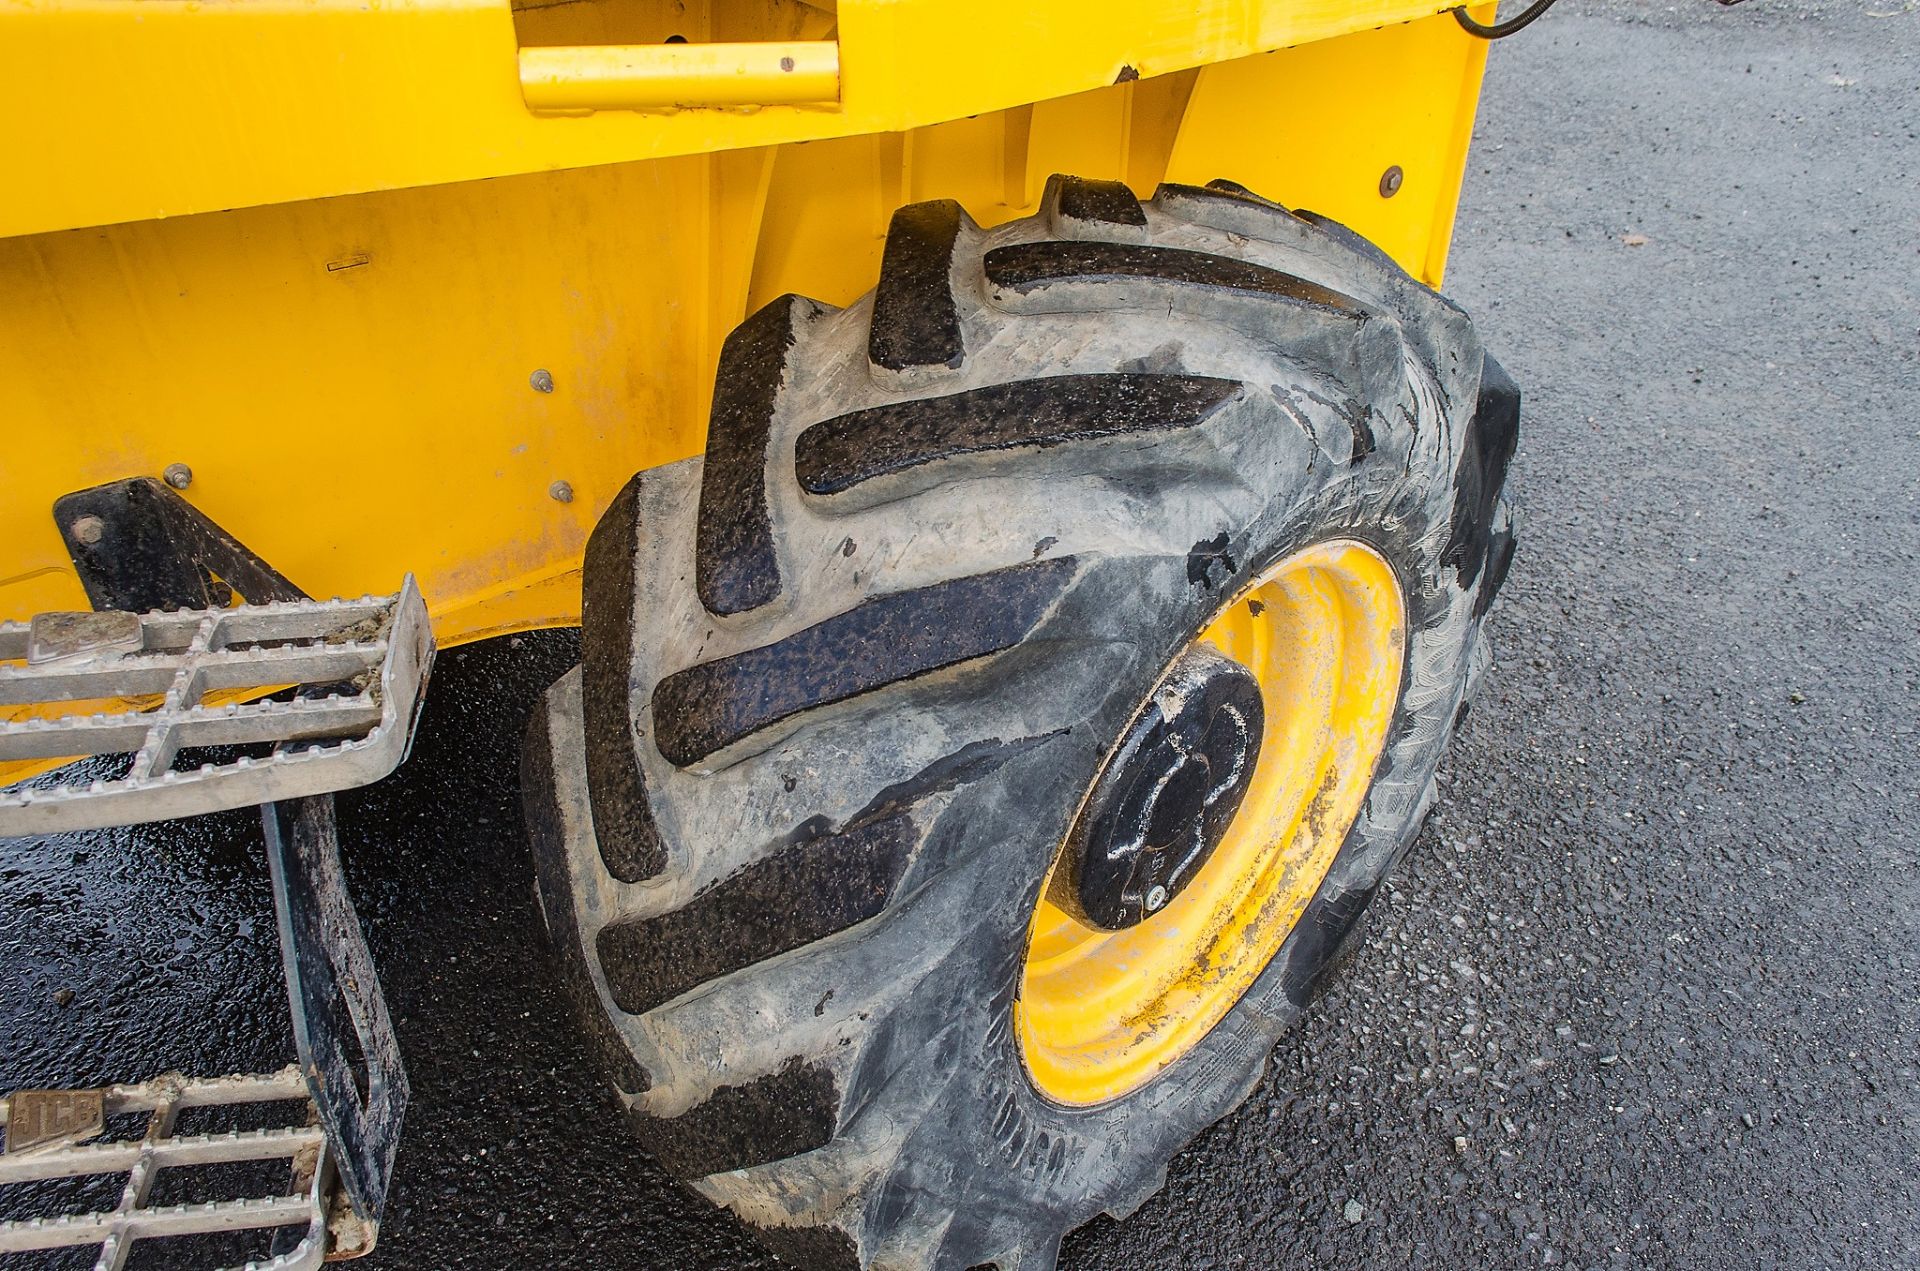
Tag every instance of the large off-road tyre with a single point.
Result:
(830, 818)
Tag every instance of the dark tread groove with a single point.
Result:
(630, 843)
(879, 642)
(1025, 268)
(1324, 937)
(736, 567)
(771, 1118)
(916, 319)
(840, 453)
(1499, 559)
(1492, 437)
(1100, 202)
(805, 892)
(548, 838)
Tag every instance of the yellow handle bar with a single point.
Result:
(656, 76)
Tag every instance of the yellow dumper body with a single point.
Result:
(415, 285)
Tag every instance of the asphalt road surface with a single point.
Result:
(1648, 991)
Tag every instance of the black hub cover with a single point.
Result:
(1167, 795)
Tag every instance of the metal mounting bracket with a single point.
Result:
(348, 1051)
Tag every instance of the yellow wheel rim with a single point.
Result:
(1100, 1013)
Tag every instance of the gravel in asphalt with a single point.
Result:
(1648, 991)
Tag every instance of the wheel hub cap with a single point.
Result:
(1167, 795)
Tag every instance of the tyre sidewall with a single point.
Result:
(1011, 1164)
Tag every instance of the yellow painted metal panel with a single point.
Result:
(1408, 103)
(350, 380)
(135, 109)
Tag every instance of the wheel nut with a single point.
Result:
(178, 475)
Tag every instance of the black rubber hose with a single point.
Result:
(1500, 30)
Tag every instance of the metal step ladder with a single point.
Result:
(328, 688)
(178, 713)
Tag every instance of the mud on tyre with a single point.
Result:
(858, 682)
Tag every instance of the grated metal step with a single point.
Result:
(359, 668)
(51, 1134)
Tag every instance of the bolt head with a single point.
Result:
(561, 492)
(1390, 181)
(542, 380)
(1156, 898)
(88, 530)
(178, 475)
